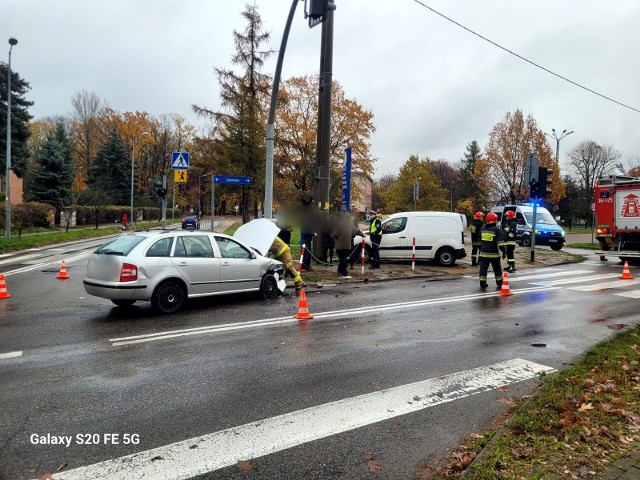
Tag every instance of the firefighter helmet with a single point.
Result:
(478, 215)
(509, 214)
(492, 218)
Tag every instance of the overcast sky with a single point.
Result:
(432, 86)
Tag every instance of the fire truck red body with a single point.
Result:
(617, 208)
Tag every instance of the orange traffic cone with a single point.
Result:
(303, 309)
(63, 272)
(626, 274)
(505, 285)
(3, 288)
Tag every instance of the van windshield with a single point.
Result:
(542, 218)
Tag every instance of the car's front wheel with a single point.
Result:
(526, 241)
(123, 303)
(269, 287)
(169, 297)
(556, 246)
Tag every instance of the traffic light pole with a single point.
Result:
(533, 232)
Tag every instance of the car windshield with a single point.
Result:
(121, 245)
(542, 218)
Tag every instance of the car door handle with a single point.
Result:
(402, 237)
(226, 264)
(183, 264)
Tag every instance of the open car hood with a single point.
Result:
(259, 234)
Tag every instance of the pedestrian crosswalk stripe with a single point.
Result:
(566, 281)
(631, 294)
(519, 278)
(181, 460)
(606, 285)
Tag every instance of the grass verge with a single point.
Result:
(581, 419)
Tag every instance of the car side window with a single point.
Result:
(520, 219)
(394, 225)
(196, 246)
(231, 249)
(161, 248)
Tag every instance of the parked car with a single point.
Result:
(190, 221)
(548, 232)
(439, 236)
(169, 267)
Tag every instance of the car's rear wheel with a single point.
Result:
(446, 256)
(269, 287)
(169, 297)
(556, 246)
(124, 303)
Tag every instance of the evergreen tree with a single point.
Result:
(19, 122)
(469, 182)
(51, 176)
(110, 169)
(241, 127)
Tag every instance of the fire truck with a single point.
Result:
(617, 209)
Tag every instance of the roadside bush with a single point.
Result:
(30, 214)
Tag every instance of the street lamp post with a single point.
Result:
(7, 191)
(557, 139)
(133, 148)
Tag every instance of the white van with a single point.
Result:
(439, 236)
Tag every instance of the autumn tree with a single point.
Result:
(109, 170)
(588, 161)
(51, 175)
(242, 124)
(501, 171)
(449, 179)
(19, 121)
(87, 131)
(432, 196)
(379, 189)
(296, 132)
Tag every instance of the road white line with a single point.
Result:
(18, 259)
(46, 264)
(10, 355)
(151, 337)
(520, 278)
(214, 451)
(606, 285)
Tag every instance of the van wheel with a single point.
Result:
(367, 253)
(446, 257)
(526, 241)
(556, 246)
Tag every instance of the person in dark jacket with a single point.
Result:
(490, 238)
(307, 232)
(328, 243)
(343, 233)
(474, 228)
(510, 230)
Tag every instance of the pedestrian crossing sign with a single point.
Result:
(180, 160)
(180, 176)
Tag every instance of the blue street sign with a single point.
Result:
(346, 180)
(180, 160)
(232, 180)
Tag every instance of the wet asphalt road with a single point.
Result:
(72, 380)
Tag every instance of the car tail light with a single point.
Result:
(602, 230)
(129, 273)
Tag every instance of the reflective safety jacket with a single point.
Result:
(475, 228)
(490, 238)
(509, 233)
(376, 227)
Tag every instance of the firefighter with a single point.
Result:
(375, 234)
(281, 251)
(474, 228)
(490, 238)
(509, 231)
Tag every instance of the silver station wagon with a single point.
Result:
(168, 267)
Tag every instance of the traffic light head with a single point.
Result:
(544, 180)
(534, 189)
(162, 192)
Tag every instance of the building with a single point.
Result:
(364, 184)
(16, 188)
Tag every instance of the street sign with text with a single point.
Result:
(223, 179)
